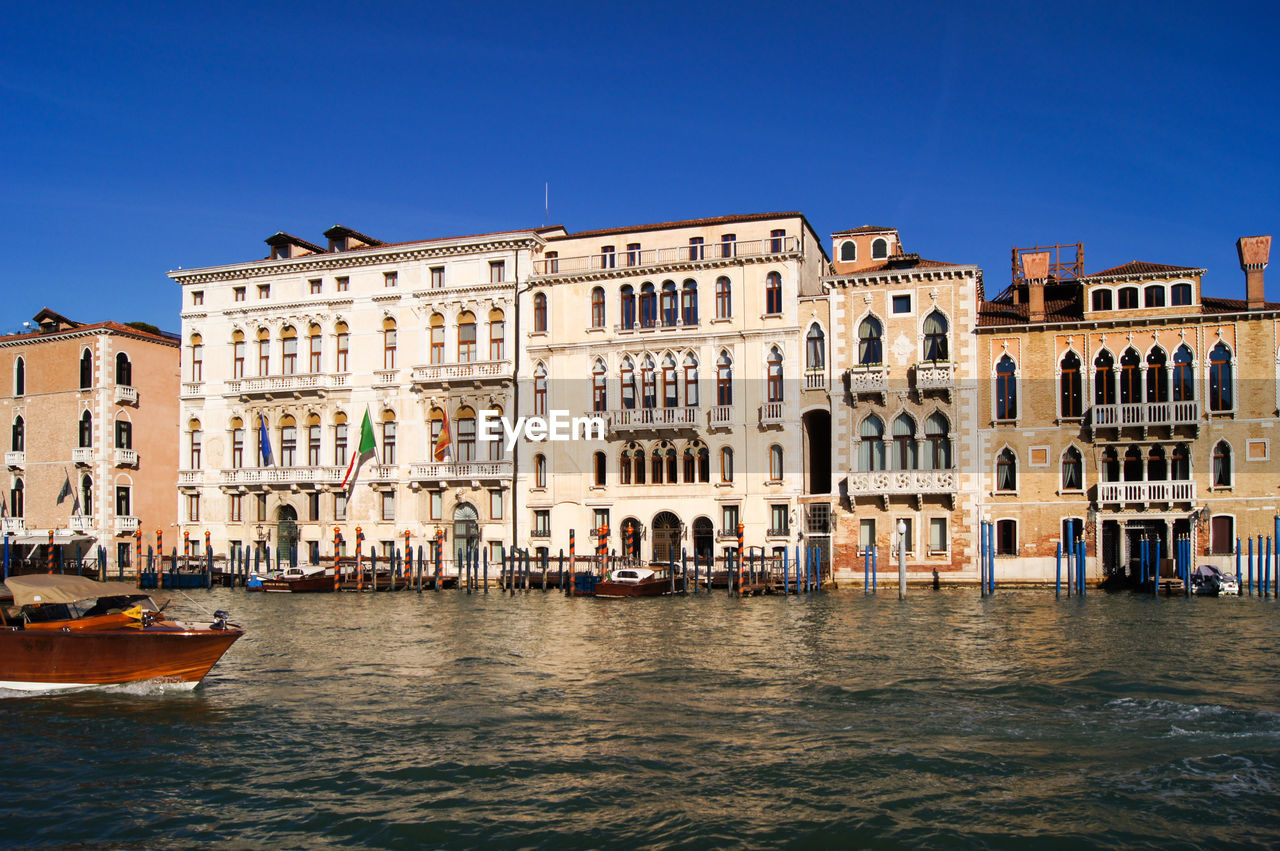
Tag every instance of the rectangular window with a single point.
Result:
(776, 241)
(261, 500)
(388, 505)
(497, 271)
(542, 523)
(123, 503)
(778, 520)
(264, 357)
(466, 439)
(197, 297)
(340, 354)
(728, 245)
(1222, 534)
(553, 262)
(193, 508)
(339, 506)
(437, 277)
(1006, 537)
(237, 293)
(495, 505)
(909, 536)
(436, 507)
(316, 285)
(313, 506)
(124, 434)
(237, 447)
(497, 339)
(289, 355)
(236, 509)
(264, 290)
(313, 446)
(601, 516)
(288, 445)
(729, 519)
(340, 444)
(341, 284)
(237, 359)
(313, 552)
(196, 441)
(696, 248)
(938, 534)
(866, 534)
(390, 279)
(633, 254)
(388, 443)
(901, 303)
(608, 257)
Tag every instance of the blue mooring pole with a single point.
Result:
(874, 567)
(1057, 572)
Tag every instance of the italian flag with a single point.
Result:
(366, 447)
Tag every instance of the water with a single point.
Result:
(399, 720)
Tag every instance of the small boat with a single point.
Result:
(1208, 581)
(625, 582)
(64, 632)
(299, 579)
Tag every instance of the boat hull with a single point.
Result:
(47, 660)
(648, 588)
(309, 584)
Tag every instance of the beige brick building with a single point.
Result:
(94, 405)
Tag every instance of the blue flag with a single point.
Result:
(264, 442)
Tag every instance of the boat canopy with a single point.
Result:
(33, 588)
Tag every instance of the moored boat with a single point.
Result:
(626, 582)
(303, 578)
(64, 632)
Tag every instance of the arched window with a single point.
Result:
(871, 445)
(640, 473)
(496, 447)
(1130, 377)
(1184, 389)
(691, 380)
(704, 464)
(1110, 465)
(341, 342)
(1072, 470)
(1181, 463)
(86, 369)
(724, 301)
(540, 313)
(466, 337)
(672, 470)
(774, 383)
(670, 383)
(340, 437)
(879, 249)
(20, 377)
(815, 349)
(288, 350)
(441, 445)
(1133, 471)
(724, 379)
(1006, 470)
(869, 348)
(313, 440)
(1100, 299)
(1181, 295)
(689, 302)
(1104, 379)
(1006, 389)
(600, 468)
(18, 441)
(648, 306)
(656, 466)
(1220, 397)
(315, 348)
(726, 464)
(264, 352)
(848, 251)
(1157, 376)
(935, 337)
(1222, 464)
(539, 471)
(86, 430)
(437, 338)
(86, 496)
(195, 444)
(599, 387)
(17, 505)
(497, 335)
(1070, 394)
(773, 293)
(648, 384)
(627, 382)
(669, 304)
(237, 354)
(690, 465)
(466, 438)
(1127, 298)
(597, 307)
(540, 390)
(624, 467)
(237, 442)
(124, 370)
(389, 343)
(197, 357)
(775, 463)
(389, 437)
(1153, 296)
(905, 452)
(288, 441)
(937, 442)
(1157, 466)
(627, 307)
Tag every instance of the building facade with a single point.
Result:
(92, 410)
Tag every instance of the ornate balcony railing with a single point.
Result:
(80, 523)
(726, 535)
(17, 460)
(126, 395)
(1121, 493)
(190, 477)
(305, 382)
(877, 482)
(193, 389)
(282, 475)
(656, 324)
(709, 253)
(485, 370)
(1146, 414)
(126, 457)
(82, 455)
(12, 525)
(935, 375)
(443, 471)
(868, 378)
(386, 377)
(815, 379)
(771, 413)
(778, 532)
(638, 419)
(720, 416)
(126, 525)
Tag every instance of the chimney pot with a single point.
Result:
(1035, 269)
(1255, 252)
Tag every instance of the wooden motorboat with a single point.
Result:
(313, 578)
(64, 632)
(625, 582)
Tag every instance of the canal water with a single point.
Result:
(406, 720)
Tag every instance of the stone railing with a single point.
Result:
(126, 457)
(902, 482)
(815, 379)
(282, 475)
(868, 378)
(486, 370)
(771, 413)
(935, 375)
(720, 416)
(710, 253)
(82, 455)
(192, 389)
(126, 525)
(305, 382)
(126, 395)
(80, 523)
(440, 471)
(1146, 414)
(12, 525)
(190, 477)
(651, 418)
(1147, 492)
(15, 459)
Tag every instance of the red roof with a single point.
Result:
(718, 220)
(1141, 268)
(864, 229)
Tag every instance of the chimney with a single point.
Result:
(1254, 253)
(1035, 270)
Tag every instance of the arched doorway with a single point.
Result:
(286, 528)
(666, 537)
(466, 529)
(704, 539)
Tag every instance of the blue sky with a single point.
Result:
(137, 140)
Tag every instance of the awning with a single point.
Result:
(60, 539)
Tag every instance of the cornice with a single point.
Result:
(1145, 276)
(1118, 325)
(635, 344)
(658, 270)
(37, 338)
(865, 279)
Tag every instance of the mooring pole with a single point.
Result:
(1057, 572)
(902, 560)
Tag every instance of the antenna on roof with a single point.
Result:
(546, 203)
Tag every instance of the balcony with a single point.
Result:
(935, 375)
(15, 460)
(460, 471)
(190, 477)
(815, 379)
(771, 413)
(716, 253)
(1144, 414)
(1124, 493)
(902, 482)
(720, 416)
(474, 371)
(82, 456)
(540, 533)
(192, 389)
(297, 386)
(727, 535)
(868, 379)
(386, 377)
(12, 525)
(656, 324)
(126, 525)
(126, 457)
(277, 475)
(650, 419)
(81, 524)
(777, 532)
(126, 395)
